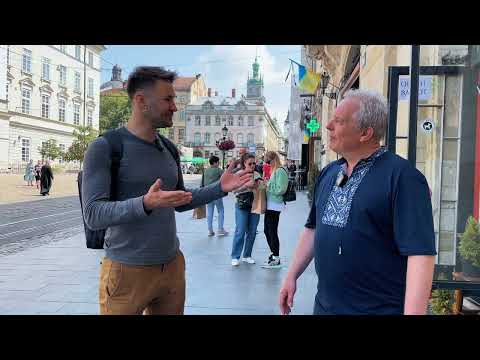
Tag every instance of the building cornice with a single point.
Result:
(41, 128)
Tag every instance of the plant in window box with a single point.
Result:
(469, 248)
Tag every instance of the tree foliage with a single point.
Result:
(114, 111)
(50, 150)
(84, 135)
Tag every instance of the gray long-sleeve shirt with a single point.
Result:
(133, 236)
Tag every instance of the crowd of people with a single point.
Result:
(268, 174)
(42, 173)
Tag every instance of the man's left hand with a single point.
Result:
(230, 181)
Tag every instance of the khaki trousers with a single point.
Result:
(136, 289)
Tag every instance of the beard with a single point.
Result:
(161, 120)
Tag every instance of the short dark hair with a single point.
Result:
(213, 159)
(145, 77)
(244, 158)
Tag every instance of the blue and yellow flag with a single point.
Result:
(307, 79)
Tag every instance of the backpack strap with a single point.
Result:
(172, 149)
(115, 140)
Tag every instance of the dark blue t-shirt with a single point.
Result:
(365, 230)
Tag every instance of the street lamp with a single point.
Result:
(220, 142)
(324, 82)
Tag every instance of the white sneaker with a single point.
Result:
(222, 233)
(235, 262)
(248, 260)
(274, 263)
(211, 233)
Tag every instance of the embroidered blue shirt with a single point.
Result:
(365, 231)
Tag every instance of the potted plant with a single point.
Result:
(441, 302)
(469, 248)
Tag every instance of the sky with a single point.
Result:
(223, 67)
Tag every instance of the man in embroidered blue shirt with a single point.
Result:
(370, 228)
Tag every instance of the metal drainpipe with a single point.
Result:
(412, 127)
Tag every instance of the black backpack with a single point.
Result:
(290, 194)
(96, 238)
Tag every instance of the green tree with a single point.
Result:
(84, 135)
(114, 111)
(50, 150)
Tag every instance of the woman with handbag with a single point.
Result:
(276, 187)
(246, 222)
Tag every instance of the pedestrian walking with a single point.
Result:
(29, 173)
(210, 176)
(46, 178)
(246, 222)
(370, 228)
(143, 270)
(276, 187)
(37, 170)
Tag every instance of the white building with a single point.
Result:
(48, 91)
(248, 122)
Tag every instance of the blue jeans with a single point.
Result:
(245, 231)
(210, 208)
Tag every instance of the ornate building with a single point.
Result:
(247, 119)
(47, 91)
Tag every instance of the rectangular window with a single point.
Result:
(61, 110)
(170, 133)
(45, 106)
(90, 58)
(45, 69)
(63, 75)
(26, 94)
(207, 138)
(207, 121)
(250, 121)
(76, 114)
(25, 149)
(77, 81)
(181, 135)
(90, 87)
(89, 117)
(197, 121)
(27, 61)
(196, 139)
(217, 120)
(77, 52)
(230, 120)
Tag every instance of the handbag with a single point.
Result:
(200, 212)
(245, 200)
(259, 205)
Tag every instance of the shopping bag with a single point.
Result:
(259, 205)
(200, 212)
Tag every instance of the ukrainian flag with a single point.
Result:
(307, 79)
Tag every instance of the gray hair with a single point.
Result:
(373, 111)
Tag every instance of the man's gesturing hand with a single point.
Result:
(230, 182)
(156, 197)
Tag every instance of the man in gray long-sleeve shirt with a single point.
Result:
(143, 269)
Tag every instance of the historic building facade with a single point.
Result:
(247, 119)
(47, 91)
